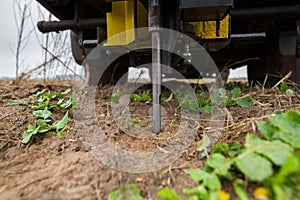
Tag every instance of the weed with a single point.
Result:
(272, 162)
(144, 97)
(233, 97)
(45, 102)
(286, 89)
(168, 194)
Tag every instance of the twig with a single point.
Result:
(60, 61)
(241, 61)
(283, 79)
(27, 74)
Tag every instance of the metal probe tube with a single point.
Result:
(154, 17)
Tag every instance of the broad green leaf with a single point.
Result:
(291, 165)
(18, 102)
(276, 151)
(198, 175)
(274, 118)
(214, 195)
(289, 125)
(255, 167)
(44, 114)
(245, 102)
(252, 141)
(269, 131)
(219, 163)
(27, 135)
(63, 122)
(200, 189)
(168, 194)
(238, 186)
(235, 92)
(212, 182)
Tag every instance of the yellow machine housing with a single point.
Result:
(207, 29)
(122, 19)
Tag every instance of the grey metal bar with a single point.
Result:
(280, 11)
(154, 28)
(55, 26)
(246, 37)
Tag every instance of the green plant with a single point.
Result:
(168, 194)
(144, 97)
(272, 162)
(286, 89)
(233, 97)
(44, 103)
(130, 192)
(205, 106)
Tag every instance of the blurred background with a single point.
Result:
(27, 53)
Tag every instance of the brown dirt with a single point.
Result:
(62, 168)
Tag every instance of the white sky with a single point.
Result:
(30, 57)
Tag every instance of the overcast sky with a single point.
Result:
(31, 56)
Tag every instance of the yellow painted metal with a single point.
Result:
(119, 20)
(207, 29)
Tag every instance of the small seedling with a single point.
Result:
(145, 97)
(45, 102)
(233, 97)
